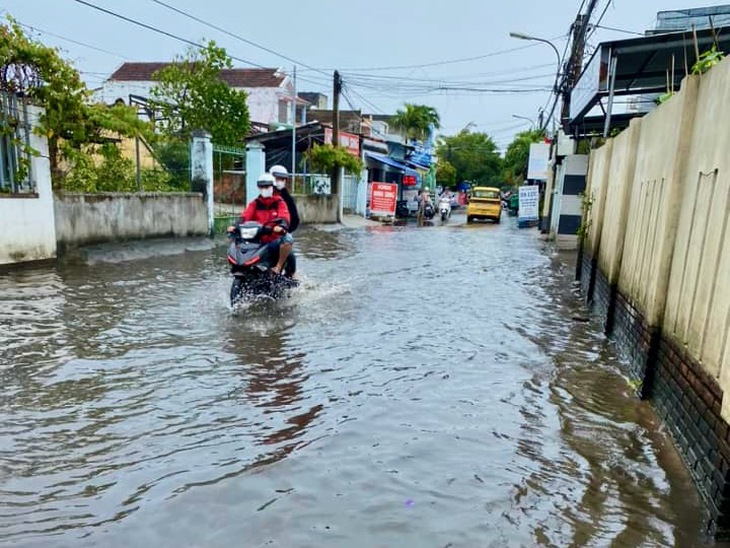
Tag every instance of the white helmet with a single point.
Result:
(265, 179)
(279, 172)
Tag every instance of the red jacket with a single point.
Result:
(267, 211)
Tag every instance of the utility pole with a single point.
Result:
(575, 61)
(294, 126)
(336, 90)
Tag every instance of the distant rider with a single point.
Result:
(271, 211)
(281, 175)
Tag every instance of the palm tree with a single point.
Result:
(416, 120)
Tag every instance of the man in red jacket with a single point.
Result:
(271, 211)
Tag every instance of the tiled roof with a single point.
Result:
(237, 77)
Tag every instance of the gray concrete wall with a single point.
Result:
(96, 218)
(317, 208)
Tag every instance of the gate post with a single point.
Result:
(201, 172)
(255, 166)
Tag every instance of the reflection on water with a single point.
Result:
(424, 387)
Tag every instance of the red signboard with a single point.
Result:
(409, 180)
(349, 141)
(382, 198)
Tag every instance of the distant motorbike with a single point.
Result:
(429, 211)
(401, 209)
(251, 269)
(445, 208)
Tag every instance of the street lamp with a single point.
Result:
(522, 36)
(532, 124)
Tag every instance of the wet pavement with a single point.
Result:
(431, 386)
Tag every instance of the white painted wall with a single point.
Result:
(27, 228)
(112, 90)
(263, 103)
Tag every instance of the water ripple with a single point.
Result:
(425, 387)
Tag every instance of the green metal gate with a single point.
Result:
(229, 184)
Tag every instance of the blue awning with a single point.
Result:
(387, 160)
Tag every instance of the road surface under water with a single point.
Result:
(433, 386)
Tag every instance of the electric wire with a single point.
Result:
(72, 41)
(234, 35)
(158, 30)
(412, 84)
(614, 29)
(445, 62)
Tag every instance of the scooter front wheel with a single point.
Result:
(236, 291)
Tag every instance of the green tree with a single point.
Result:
(193, 96)
(38, 72)
(445, 173)
(416, 120)
(325, 158)
(518, 154)
(474, 156)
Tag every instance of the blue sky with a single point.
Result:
(361, 38)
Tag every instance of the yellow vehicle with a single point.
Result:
(485, 203)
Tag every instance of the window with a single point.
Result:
(16, 175)
(284, 112)
(486, 194)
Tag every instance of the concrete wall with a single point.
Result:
(94, 218)
(698, 305)
(27, 232)
(317, 208)
(656, 190)
(596, 185)
(615, 212)
(663, 259)
(598, 174)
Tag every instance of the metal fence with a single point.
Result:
(350, 193)
(311, 183)
(229, 180)
(15, 165)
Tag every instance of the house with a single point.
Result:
(269, 90)
(316, 99)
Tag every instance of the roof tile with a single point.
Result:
(236, 77)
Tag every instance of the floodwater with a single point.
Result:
(426, 387)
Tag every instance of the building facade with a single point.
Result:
(269, 90)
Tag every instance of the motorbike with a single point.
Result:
(445, 208)
(401, 209)
(429, 211)
(251, 268)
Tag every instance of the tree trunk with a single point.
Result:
(56, 174)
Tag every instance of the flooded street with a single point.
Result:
(428, 387)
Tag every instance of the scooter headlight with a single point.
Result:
(249, 233)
